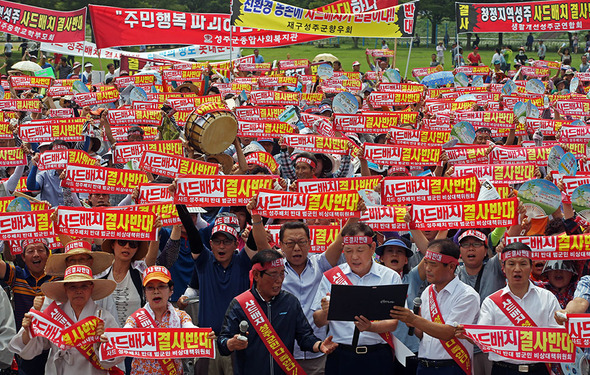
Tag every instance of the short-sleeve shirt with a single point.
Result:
(583, 290)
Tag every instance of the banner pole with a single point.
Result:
(409, 54)
(394, 52)
(83, 52)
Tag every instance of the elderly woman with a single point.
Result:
(158, 288)
(75, 294)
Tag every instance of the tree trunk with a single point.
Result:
(500, 40)
(468, 43)
(355, 42)
(571, 43)
(433, 33)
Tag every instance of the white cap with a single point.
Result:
(88, 64)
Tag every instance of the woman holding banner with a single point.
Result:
(73, 311)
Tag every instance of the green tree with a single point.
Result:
(436, 11)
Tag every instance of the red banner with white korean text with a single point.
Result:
(363, 123)
(533, 344)
(88, 222)
(397, 87)
(379, 99)
(570, 183)
(278, 204)
(473, 70)
(220, 190)
(258, 113)
(48, 130)
(409, 189)
(98, 97)
(264, 129)
(30, 105)
(520, 155)
(269, 97)
(157, 343)
(174, 166)
(166, 210)
(5, 131)
(402, 155)
(59, 159)
(120, 133)
(548, 16)
(480, 214)
(97, 179)
(26, 225)
(574, 134)
(134, 116)
(12, 157)
(386, 218)
(325, 185)
(578, 327)
(26, 82)
(475, 154)
(413, 137)
(321, 144)
(42, 25)
(150, 193)
(128, 151)
(575, 247)
(263, 159)
(548, 127)
(423, 72)
(512, 173)
(573, 107)
(320, 236)
(61, 112)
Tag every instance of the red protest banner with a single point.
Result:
(166, 210)
(574, 134)
(48, 130)
(481, 214)
(269, 97)
(474, 154)
(157, 343)
(379, 99)
(5, 201)
(42, 25)
(534, 16)
(88, 222)
(264, 129)
(316, 143)
(409, 189)
(59, 159)
(134, 116)
(423, 72)
(174, 166)
(325, 185)
(220, 190)
(364, 123)
(512, 173)
(549, 128)
(413, 137)
(533, 344)
(473, 70)
(575, 247)
(150, 193)
(26, 225)
(518, 154)
(128, 151)
(120, 133)
(26, 82)
(98, 97)
(573, 107)
(30, 105)
(12, 157)
(321, 236)
(386, 217)
(341, 204)
(578, 328)
(402, 155)
(96, 179)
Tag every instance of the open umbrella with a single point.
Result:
(325, 57)
(26, 66)
(438, 79)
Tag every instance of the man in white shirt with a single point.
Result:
(537, 304)
(446, 302)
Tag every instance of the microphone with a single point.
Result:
(243, 329)
(417, 304)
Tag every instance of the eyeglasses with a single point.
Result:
(291, 244)
(132, 244)
(475, 245)
(275, 275)
(160, 288)
(226, 241)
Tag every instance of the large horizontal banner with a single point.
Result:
(157, 343)
(363, 123)
(132, 27)
(556, 247)
(551, 15)
(534, 344)
(264, 129)
(220, 190)
(408, 189)
(150, 193)
(386, 218)
(88, 222)
(512, 173)
(97, 179)
(59, 159)
(402, 155)
(481, 214)
(320, 236)
(325, 185)
(42, 25)
(414, 137)
(474, 154)
(517, 154)
(578, 327)
(278, 204)
(12, 157)
(128, 151)
(316, 143)
(25, 105)
(26, 225)
(174, 165)
(166, 210)
(393, 22)
(48, 130)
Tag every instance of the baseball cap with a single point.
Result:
(228, 231)
(394, 242)
(356, 63)
(569, 71)
(159, 273)
(88, 64)
(473, 233)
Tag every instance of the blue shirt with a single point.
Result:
(49, 183)
(218, 285)
(305, 287)
(259, 59)
(583, 289)
(415, 288)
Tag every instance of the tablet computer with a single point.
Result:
(373, 302)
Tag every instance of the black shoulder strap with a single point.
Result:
(136, 278)
(479, 275)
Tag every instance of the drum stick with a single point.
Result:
(23, 195)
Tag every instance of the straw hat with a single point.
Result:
(189, 86)
(56, 263)
(107, 246)
(64, 98)
(77, 274)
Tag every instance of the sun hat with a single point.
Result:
(78, 274)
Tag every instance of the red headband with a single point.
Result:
(516, 254)
(306, 160)
(356, 240)
(441, 258)
(275, 263)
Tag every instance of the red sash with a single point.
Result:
(143, 319)
(277, 349)
(86, 349)
(336, 276)
(454, 347)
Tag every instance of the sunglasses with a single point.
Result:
(132, 244)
